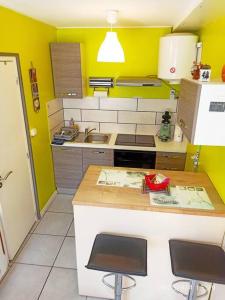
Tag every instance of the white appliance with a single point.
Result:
(3, 253)
(201, 112)
(177, 52)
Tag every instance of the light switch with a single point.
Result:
(33, 132)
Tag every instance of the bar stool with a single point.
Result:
(197, 262)
(121, 256)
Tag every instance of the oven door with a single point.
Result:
(134, 159)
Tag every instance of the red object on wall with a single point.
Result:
(223, 73)
(172, 70)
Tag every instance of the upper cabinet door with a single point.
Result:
(67, 70)
(201, 112)
(188, 107)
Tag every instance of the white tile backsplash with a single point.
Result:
(83, 125)
(117, 128)
(111, 115)
(158, 105)
(55, 119)
(147, 129)
(136, 117)
(99, 115)
(54, 105)
(72, 113)
(85, 103)
(118, 104)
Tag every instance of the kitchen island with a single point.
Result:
(126, 211)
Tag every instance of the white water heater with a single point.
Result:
(177, 52)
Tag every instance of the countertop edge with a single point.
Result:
(170, 146)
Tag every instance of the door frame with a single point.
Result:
(25, 117)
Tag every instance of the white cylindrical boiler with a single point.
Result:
(177, 52)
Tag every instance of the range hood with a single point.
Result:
(138, 81)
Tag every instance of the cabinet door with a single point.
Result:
(95, 156)
(3, 254)
(67, 167)
(188, 107)
(170, 161)
(66, 67)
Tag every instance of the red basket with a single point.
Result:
(156, 186)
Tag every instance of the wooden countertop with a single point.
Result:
(91, 194)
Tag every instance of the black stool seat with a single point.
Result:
(119, 254)
(201, 262)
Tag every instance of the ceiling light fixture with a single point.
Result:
(111, 49)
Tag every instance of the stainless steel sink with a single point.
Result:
(97, 138)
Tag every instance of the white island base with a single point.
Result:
(157, 228)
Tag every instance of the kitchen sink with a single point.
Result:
(97, 138)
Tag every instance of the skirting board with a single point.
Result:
(52, 197)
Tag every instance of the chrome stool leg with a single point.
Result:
(193, 291)
(196, 289)
(118, 286)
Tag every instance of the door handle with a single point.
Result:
(6, 176)
(2, 244)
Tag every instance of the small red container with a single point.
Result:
(223, 73)
(149, 181)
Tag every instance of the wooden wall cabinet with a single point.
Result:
(170, 161)
(68, 70)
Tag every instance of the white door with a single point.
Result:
(3, 253)
(17, 205)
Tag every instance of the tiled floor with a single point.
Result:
(45, 267)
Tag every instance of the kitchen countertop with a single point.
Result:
(90, 194)
(169, 146)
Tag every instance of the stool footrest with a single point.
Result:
(124, 275)
(173, 285)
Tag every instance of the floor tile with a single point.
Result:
(61, 285)
(41, 250)
(62, 203)
(71, 230)
(54, 224)
(67, 255)
(23, 282)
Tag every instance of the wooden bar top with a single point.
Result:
(91, 194)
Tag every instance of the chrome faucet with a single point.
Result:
(86, 131)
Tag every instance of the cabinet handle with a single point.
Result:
(71, 94)
(182, 124)
(3, 249)
(64, 149)
(99, 152)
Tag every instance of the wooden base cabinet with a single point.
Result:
(70, 163)
(68, 167)
(101, 157)
(170, 161)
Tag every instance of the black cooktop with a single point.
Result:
(135, 140)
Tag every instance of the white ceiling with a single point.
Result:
(204, 13)
(92, 13)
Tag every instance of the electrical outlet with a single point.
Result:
(172, 94)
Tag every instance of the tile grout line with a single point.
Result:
(54, 262)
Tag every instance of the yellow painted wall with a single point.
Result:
(212, 159)
(30, 39)
(141, 53)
